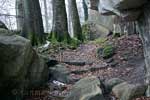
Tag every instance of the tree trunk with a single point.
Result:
(46, 15)
(60, 27)
(19, 14)
(77, 31)
(33, 21)
(85, 10)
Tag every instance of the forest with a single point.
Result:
(74, 50)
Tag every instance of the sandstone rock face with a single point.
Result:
(125, 91)
(20, 66)
(126, 9)
(86, 89)
(97, 18)
(144, 30)
(96, 31)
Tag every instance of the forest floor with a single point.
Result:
(127, 62)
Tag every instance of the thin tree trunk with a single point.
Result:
(46, 15)
(85, 10)
(19, 14)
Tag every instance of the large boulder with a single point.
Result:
(86, 89)
(38, 73)
(94, 31)
(20, 66)
(126, 91)
(128, 4)
(97, 18)
(112, 5)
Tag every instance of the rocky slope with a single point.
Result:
(126, 64)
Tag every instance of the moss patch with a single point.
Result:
(85, 31)
(100, 41)
(108, 51)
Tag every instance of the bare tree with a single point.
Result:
(33, 21)
(77, 31)
(19, 14)
(60, 27)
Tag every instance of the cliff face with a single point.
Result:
(96, 17)
(144, 30)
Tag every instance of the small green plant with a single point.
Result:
(108, 51)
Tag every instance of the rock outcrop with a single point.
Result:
(95, 17)
(144, 30)
(20, 66)
(133, 10)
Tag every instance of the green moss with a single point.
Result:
(36, 39)
(108, 51)
(100, 41)
(74, 43)
(33, 39)
(53, 37)
(71, 43)
(85, 31)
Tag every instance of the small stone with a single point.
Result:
(110, 60)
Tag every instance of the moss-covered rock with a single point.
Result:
(20, 67)
(93, 31)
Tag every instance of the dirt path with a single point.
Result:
(127, 63)
(128, 58)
